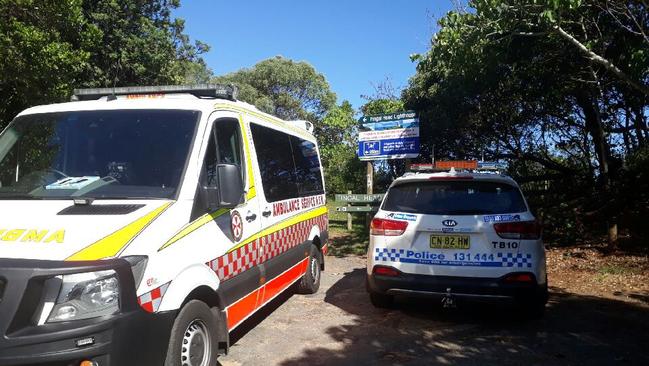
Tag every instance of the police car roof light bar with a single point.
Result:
(218, 91)
(472, 166)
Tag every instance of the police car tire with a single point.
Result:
(382, 301)
(193, 311)
(308, 284)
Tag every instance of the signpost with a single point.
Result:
(370, 204)
(381, 137)
(359, 198)
(389, 136)
(357, 209)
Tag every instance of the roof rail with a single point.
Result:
(220, 91)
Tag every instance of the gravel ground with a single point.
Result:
(338, 326)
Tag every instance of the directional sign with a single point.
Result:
(360, 198)
(389, 136)
(356, 209)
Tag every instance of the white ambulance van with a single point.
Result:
(139, 226)
(457, 235)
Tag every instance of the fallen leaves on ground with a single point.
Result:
(586, 270)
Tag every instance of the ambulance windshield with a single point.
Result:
(109, 154)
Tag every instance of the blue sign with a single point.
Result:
(389, 136)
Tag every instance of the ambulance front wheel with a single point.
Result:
(192, 341)
(310, 282)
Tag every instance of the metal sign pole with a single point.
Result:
(349, 215)
(370, 188)
(370, 177)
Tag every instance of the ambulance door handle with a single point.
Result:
(266, 212)
(250, 217)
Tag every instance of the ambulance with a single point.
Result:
(140, 226)
(457, 235)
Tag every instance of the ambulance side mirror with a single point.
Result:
(228, 192)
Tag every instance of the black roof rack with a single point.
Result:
(220, 91)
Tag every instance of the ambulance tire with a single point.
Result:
(310, 282)
(382, 301)
(193, 336)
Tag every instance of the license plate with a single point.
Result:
(450, 241)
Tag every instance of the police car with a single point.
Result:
(457, 235)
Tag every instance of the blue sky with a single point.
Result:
(354, 43)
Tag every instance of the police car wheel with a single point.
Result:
(382, 301)
(310, 282)
(192, 341)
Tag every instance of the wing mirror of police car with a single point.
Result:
(228, 192)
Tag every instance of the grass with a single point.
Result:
(341, 241)
(614, 269)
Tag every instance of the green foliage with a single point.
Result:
(381, 106)
(288, 89)
(337, 137)
(47, 48)
(503, 81)
(343, 170)
(43, 49)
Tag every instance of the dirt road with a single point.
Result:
(338, 326)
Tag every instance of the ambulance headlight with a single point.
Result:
(86, 295)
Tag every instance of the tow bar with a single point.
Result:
(448, 301)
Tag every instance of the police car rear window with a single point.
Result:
(455, 198)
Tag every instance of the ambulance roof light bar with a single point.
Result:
(218, 91)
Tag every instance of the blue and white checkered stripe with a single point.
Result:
(515, 259)
(388, 255)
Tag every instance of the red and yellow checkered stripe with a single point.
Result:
(265, 247)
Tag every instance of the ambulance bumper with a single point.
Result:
(129, 337)
(493, 290)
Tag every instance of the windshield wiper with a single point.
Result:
(123, 198)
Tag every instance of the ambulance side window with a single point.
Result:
(276, 163)
(224, 147)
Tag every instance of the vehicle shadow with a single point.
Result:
(575, 330)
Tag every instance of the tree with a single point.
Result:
(47, 48)
(504, 79)
(43, 51)
(285, 88)
(337, 136)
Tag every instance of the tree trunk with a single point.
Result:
(612, 234)
(594, 127)
(639, 124)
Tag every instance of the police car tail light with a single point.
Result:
(386, 227)
(519, 277)
(530, 230)
(385, 271)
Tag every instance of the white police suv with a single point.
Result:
(457, 236)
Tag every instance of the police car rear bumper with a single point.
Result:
(495, 290)
(130, 337)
